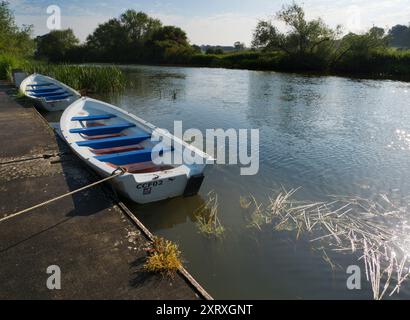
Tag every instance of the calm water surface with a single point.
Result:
(327, 135)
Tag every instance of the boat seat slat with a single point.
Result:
(48, 94)
(100, 152)
(57, 97)
(114, 142)
(41, 89)
(93, 117)
(45, 84)
(94, 131)
(123, 158)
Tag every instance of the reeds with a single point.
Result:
(207, 219)
(164, 257)
(88, 79)
(348, 225)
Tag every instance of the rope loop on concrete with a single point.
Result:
(117, 172)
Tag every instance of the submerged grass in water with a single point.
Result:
(208, 222)
(348, 225)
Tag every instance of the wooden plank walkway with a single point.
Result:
(99, 250)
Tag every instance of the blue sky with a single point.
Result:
(212, 21)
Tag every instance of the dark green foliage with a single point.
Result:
(123, 39)
(399, 36)
(196, 49)
(57, 45)
(169, 44)
(214, 50)
(14, 40)
(202, 60)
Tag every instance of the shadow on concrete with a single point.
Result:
(78, 175)
(139, 276)
(34, 235)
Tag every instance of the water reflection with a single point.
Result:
(169, 213)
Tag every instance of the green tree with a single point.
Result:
(197, 49)
(107, 42)
(355, 52)
(399, 36)
(239, 46)
(303, 37)
(123, 39)
(169, 44)
(138, 26)
(55, 45)
(170, 33)
(362, 44)
(14, 40)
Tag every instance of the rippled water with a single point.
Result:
(327, 135)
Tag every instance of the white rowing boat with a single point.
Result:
(107, 138)
(48, 93)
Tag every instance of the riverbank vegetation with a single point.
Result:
(88, 79)
(305, 46)
(136, 38)
(18, 51)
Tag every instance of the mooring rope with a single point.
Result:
(117, 172)
(42, 156)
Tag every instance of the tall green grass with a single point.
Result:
(92, 79)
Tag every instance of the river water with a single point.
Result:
(326, 135)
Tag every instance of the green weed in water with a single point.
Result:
(208, 222)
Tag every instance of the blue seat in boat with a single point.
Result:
(101, 130)
(114, 142)
(123, 158)
(58, 97)
(49, 94)
(49, 89)
(40, 84)
(93, 117)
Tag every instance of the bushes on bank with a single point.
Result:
(9, 62)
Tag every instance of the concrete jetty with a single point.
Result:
(89, 236)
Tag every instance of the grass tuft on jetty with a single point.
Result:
(208, 222)
(164, 257)
(348, 225)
